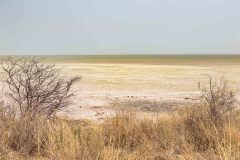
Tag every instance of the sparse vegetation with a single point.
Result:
(218, 98)
(35, 87)
(186, 134)
(209, 130)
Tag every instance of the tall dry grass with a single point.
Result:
(186, 134)
(210, 130)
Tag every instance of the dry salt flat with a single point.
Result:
(147, 88)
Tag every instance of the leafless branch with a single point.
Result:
(35, 86)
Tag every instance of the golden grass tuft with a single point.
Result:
(186, 134)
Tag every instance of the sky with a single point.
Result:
(119, 27)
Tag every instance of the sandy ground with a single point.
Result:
(145, 87)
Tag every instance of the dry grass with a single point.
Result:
(186, 134)
(210, 130)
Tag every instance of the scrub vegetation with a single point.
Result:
(29, 129)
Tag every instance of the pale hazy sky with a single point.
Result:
(119, 26)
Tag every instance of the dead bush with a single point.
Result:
(218, 97)
(36, 87)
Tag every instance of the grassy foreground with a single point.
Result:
(29, 128)
(186, 134)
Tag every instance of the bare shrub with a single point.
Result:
(217, 97)
(36, 87)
